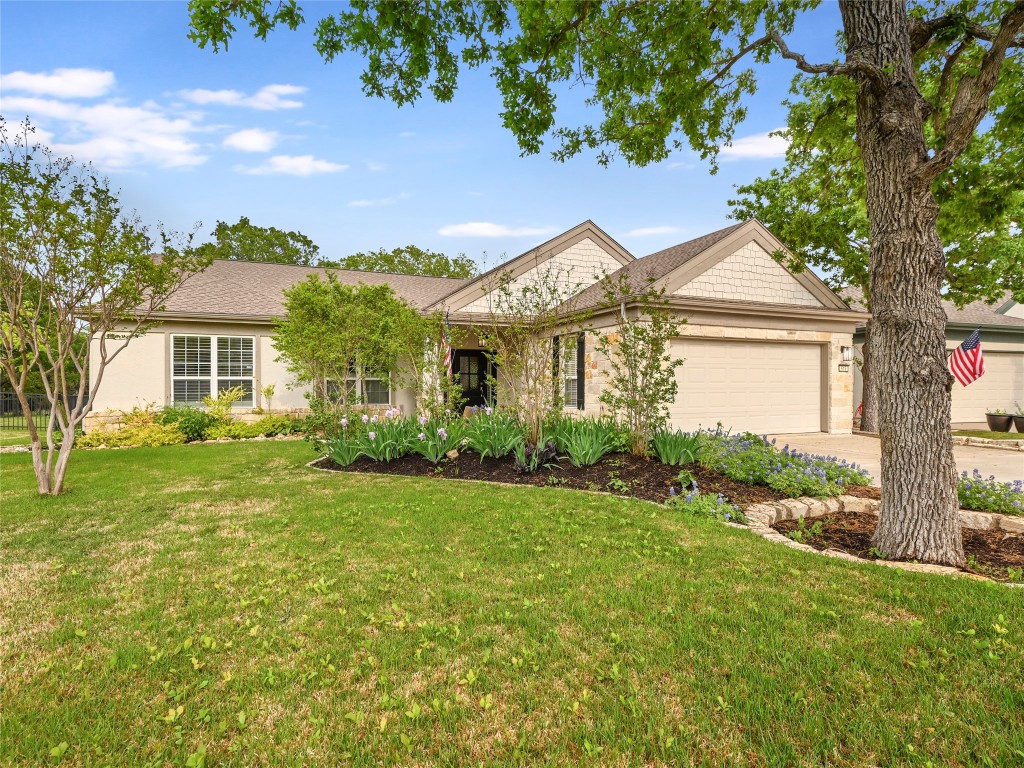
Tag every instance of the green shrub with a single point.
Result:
(493, 434)
(585, 441)
(220, 406)
(193, 422)
(268, 426)
(149, 435)
(699, 504)
(675, 448)
(530, 457)
(750, 458)
(990, 495)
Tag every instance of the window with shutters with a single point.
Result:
(194, 374)
(570, 366)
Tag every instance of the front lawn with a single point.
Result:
(16, 436)
(225, 600)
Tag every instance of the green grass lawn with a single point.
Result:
(989, 435)
(14, 437)
(225, 598)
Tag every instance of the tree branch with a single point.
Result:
(850, 67)
(970, 103)
(922, 31)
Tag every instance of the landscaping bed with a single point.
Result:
(622, 474)
(996, 554)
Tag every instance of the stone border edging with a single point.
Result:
(985, 442)
(761, 518)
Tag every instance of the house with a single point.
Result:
(1002, 342)
(765, 350)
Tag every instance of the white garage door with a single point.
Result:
(749, 386)
(1000, 387)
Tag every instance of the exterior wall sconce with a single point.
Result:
(846, 357)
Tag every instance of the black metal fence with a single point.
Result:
(13, 417)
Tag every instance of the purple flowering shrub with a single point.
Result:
(990, 495)
(750, 458)
(700, 504)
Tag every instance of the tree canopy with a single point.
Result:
(816, 203)
(411, 260)
(244, 241)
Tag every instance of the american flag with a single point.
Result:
(967, 362)
(446, 345)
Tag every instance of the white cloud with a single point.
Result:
(293, 165)
(489, 229)
(251, 140)
(377, 202)
(269, 97)
(648, 231)
(759, 145)
(63, 83)
(113, 135)
(406, 134)
(375, 167)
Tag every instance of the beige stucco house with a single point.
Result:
(765, 350)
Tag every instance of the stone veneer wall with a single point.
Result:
(750, 274)
(577, 267)
(840, 384)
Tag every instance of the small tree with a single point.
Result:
(641, 380)
(333, 333)
(418, 342)
(523, 318)
(74, 268)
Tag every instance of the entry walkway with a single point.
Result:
(866, 451)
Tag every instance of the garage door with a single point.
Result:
(1002, 384)
(748, 386)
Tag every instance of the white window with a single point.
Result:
(369, 391)
(194, 376)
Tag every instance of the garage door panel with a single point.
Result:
(748, 386)
(1000, 387)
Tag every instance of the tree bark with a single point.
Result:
(869, 386)
(919, 514)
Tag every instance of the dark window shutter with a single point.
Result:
(581, 363)
(555, 348)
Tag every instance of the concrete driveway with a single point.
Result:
(866, 451)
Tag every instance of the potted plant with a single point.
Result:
(1018, 418)
(998, 420)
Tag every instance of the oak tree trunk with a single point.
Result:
(919, 515)
(869, 386)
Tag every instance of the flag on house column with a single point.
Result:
(967, 362)
(446, 343)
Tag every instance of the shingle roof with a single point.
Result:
(255, 289)
(975, 313)
(640, 273)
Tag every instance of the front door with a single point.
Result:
(473, 370)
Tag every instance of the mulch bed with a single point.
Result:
(993, 551)
(644, 478)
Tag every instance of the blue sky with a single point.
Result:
(269, 131)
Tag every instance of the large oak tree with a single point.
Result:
(665, 74)
(816, 202)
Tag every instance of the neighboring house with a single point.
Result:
(1002, 342)
(763, 347)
